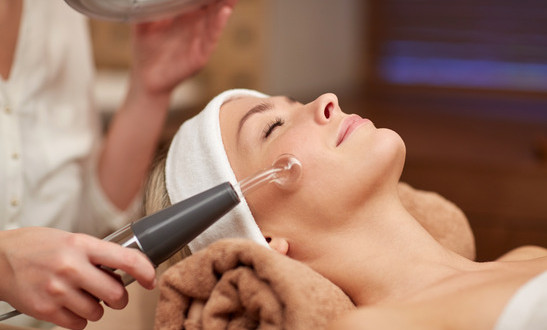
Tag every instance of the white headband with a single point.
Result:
(197, 161)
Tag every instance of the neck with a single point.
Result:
(393, 255)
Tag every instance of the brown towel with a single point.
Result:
(238, 284)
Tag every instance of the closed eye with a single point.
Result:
(272, 126)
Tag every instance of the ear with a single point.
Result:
(278, 244)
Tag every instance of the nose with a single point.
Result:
(324, 107)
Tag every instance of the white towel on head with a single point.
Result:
(197, 161)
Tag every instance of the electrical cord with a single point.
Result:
(9, 315)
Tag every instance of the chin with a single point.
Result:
(393, 148)
(379, 161)
(397, 143)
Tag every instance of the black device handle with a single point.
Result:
(163, 233)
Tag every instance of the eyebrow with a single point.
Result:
(259, 108)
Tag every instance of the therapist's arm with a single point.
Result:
(53, 275)
(164, 54)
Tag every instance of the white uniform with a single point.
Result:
(49, 129)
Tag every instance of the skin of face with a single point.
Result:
(339, 180)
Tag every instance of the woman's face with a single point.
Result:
(345, 159)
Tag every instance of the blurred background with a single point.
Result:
(464, 82)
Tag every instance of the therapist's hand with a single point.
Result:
(165, 53)
(168, 51)
(53, 275)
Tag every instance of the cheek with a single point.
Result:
(289, 214)
(322, 173)
(314, 157)
(304, 146)
(273, 207)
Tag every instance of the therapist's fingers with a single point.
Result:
(217, 20)
(105, 287)
(66, 319)
(131, 261)
(219, 13)
(67, 306)
(83, 305)
(208, 29)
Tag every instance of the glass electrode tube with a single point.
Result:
(285, 172)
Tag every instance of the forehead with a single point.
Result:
(244, 103)
(237, 110)
(237, 138)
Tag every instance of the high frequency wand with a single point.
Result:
(162, 234)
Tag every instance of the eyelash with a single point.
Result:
(271, 126)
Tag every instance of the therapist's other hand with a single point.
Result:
(53, 275)
(167, 52)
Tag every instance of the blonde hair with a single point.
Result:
(156, 199)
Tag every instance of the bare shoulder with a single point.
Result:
(475, 307)
(386, 317)
(473, 300)
(526, 252)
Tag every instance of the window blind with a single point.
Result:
(475, 44)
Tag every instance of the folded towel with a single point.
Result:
(239, 284)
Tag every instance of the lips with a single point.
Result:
(349, 125)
